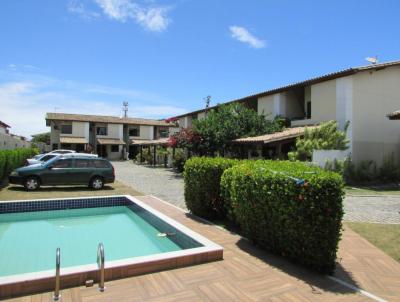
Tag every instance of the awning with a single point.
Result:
(150, 142)
(394, 115)
(73, 140)
(110, 141)
(289, 133)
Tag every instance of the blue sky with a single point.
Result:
(165, 57)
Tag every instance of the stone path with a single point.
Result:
(377, 209)
(168, 185)
(160, 182)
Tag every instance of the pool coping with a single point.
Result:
(77, 275)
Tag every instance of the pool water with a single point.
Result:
(28, 240)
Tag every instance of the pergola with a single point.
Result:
(150, 143)
(275, 140)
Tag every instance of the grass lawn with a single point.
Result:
(12, 192)
(391, 189)
(384, 236)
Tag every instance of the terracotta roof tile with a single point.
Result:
(273, 137)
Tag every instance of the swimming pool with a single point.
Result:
(137, 239)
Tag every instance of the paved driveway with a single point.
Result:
(160, 182)
(377, 209)
(168, 185)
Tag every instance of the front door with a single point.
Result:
(102, 151)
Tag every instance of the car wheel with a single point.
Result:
(97, 183)
(31, 183)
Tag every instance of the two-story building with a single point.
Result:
(362, 96)
(108, 136)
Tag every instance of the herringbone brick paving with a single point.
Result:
(248, 274)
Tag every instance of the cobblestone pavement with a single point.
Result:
(163, 183)
(378, 209)
(168, 185)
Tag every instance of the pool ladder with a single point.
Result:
(100, 262)
(57, 295)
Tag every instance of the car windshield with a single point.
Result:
(50, 161)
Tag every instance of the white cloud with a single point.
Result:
(153, 18)
(77, 7)
(243, 35)
(24, 102)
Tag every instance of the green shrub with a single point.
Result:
(12, 159)
(178, 162)
(389, 170)
(288, 208)
(202, 177)
(326, 136)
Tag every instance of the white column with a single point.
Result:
(344, 105)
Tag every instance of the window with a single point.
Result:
(100, 163)
(47, 157)
(101, 130)
(134, 131)
(66, 129)
(163, 133)
(82, 163)
(63, 164)
(114, 148)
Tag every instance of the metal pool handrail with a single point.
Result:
(57, 295)
(100, 262)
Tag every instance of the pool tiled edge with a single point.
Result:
(75, 276)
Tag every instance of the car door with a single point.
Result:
(60, 172)
(82, 170)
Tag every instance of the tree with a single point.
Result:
(222, 125)
(41, 138)
(326, 136)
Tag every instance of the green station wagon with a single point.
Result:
(62, 170)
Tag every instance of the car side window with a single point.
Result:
(63, 163)
(100, 164)
(82, 163)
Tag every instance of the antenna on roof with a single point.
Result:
(207, 99)
(372, 60)
(125, 108)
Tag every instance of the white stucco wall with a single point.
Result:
(289, 106)
(8, 142)
(201, 115)
(185, 122)
(284, 104)
(375, 94)
(266, 106)
(321, 157)
(147, 132)
(79, 129)
(114, 131)
(323, 101)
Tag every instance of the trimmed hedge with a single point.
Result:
(202, 177)
(12, 159)
(276, 210)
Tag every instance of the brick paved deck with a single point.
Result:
(249, 274)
